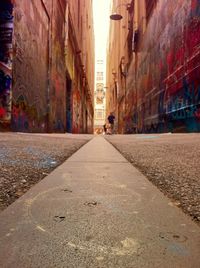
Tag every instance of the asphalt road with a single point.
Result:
(25, 159)
(169, 161)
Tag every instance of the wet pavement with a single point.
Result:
(97, 210)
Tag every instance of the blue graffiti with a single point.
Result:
(5, 82)
(196, 12)
(185, 103)
(6, 9)
(58, 126)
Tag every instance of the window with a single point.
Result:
(99, 76)
(99, 61)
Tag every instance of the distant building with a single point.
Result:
(46, 72)
(99, 96)
(153, 66)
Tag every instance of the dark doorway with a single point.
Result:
(69, 106)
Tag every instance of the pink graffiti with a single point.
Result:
(15, 111)
(194, 4)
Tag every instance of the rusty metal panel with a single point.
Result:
(30, 66)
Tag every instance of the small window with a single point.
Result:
(99, 76)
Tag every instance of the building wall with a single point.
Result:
(51, 72)
(30, 66)
(99, 96)
(39, 66)
(80, 65)
(162, 79)
(57, 92)
(6, 51)
(116, 51)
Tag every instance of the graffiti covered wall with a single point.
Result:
(76, 122)
(57, 115)
(6, 33)
(167, 96)
(38, 89)
(30, 67)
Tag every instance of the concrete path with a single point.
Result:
(97, 210)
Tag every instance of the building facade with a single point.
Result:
(153, 66)
(99, 97)
(80, 67)
(44, 66)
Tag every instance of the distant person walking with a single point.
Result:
(111, 119)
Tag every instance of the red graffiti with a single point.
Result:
(15, 111)
(170, 59)
(194, 4)
(197, 114)
(2, 112)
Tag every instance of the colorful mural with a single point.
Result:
(32, 76)
(167, 96)
(57, 98)
(37, 59)
(30, 67)
(6, 33)
(77, 115)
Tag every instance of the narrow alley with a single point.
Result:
(99, 133)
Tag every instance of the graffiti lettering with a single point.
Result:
(185, 103)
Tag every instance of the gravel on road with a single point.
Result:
(170, 161)
(25, 159)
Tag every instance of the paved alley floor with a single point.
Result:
(26, 158)
(97, 210)
(169, 161)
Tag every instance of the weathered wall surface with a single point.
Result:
(168, 71)
(39, 89)
(51, 73)
(6, 49)
(162, 72)
(57, 96)
(30, 66)
(116, 51)
(80, 65)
